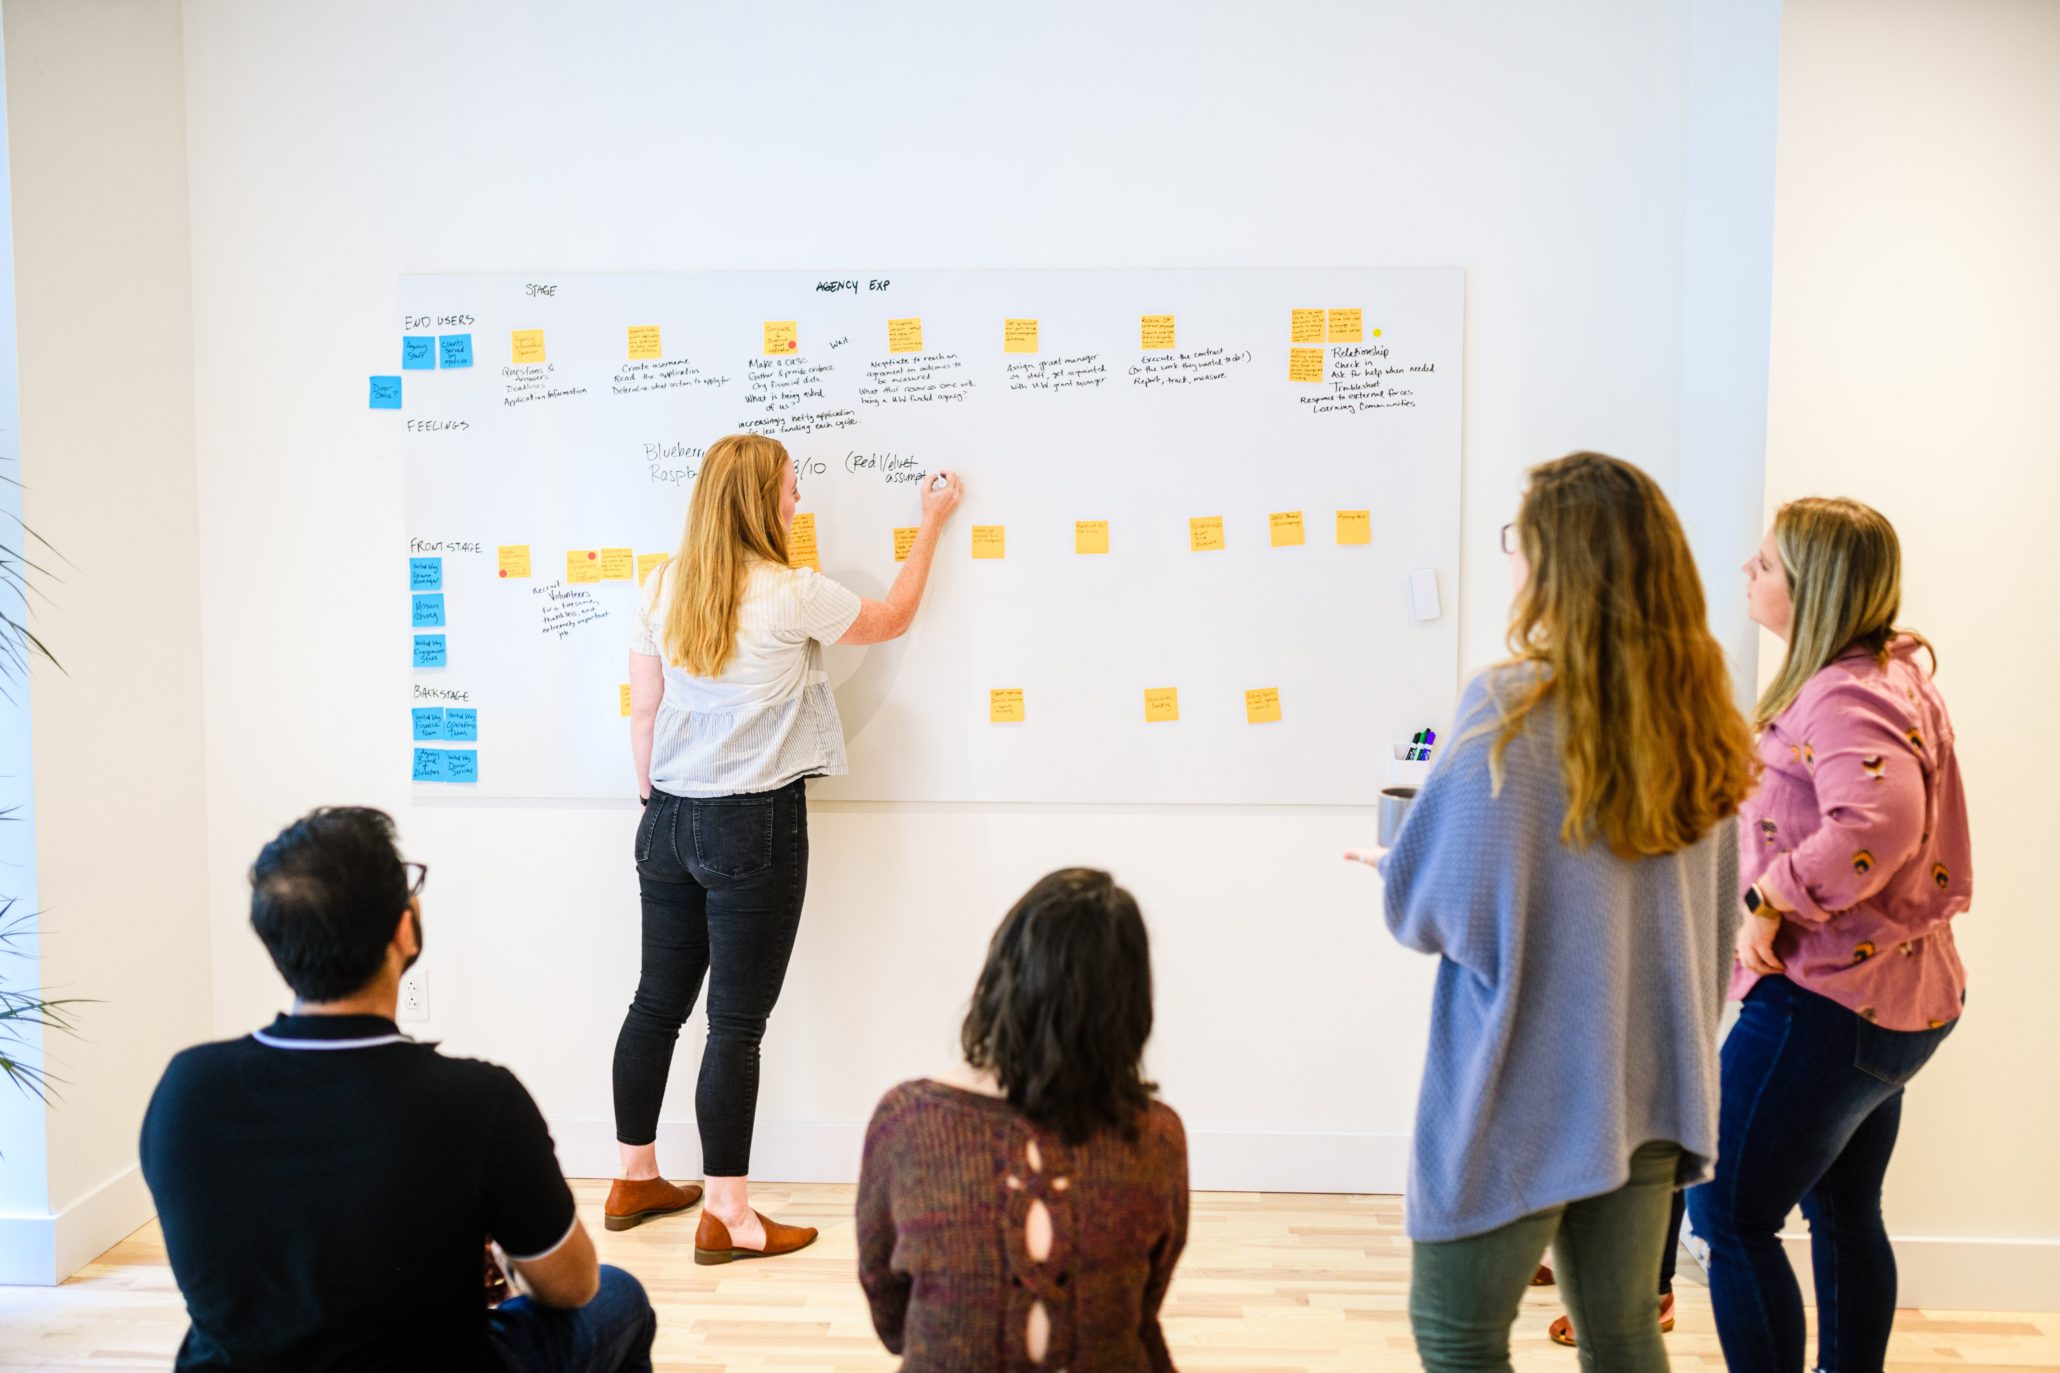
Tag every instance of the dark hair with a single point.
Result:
(1064, 1006)
(324, 897)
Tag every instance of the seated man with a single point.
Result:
(327, 1185)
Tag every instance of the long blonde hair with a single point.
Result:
(1612, 618)
(1844, 567)
(733, 521)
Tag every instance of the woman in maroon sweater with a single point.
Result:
(1027, 1214)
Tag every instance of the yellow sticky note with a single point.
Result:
(618, 564)
(1090, 536)
(1305, 364)
(1345, 327)
(904, 540)
(624, 691)
(801, 549)
(782, 336)
(1355, 526)
(643, 342)
(990, 541)
(648, 561)
(1286, 527)
(583, 565)
(1307, 327)
(528, 345)
(1262, 706)
(1019, 336)
(514, 559)
(1161, 704)
(904, 336)
(1205, 533)
(1155, 331)
(1005, 706)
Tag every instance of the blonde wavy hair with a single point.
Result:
(733, 521)
(1844, 566)
(1612, 618)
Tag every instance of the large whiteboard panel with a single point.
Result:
(588, 450)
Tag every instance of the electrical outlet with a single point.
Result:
(414, 995)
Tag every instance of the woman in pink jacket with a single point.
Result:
(1856, 849)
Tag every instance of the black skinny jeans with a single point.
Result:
(722, 880)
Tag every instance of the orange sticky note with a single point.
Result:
(618, 564)
(1355, 526)
(1345, 327)
(904, 540)
(1155, 331)
(646, 562)
(583, 565)
(904, 336)
(1262, 706)
(643, 342)
(1307, 326)
(1205, 533)
(782, 336)
(1286, 528)
(514, 559)
(1005, 706)
(801, 549)
(1305, 364)
(1161, 704)
(990, 541)
(624, 691)
(528, 345)
(1019, 336)
(1090, 536)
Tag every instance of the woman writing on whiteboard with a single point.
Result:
(730, 712)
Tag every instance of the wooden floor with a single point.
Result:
(1271, 1283)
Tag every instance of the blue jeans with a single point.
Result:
(722, 880)
(610, 1334)
(1812, 1098)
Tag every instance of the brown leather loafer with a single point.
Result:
(712, 1240)
(632, 1203)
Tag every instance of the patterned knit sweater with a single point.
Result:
(944, 1197)
(1575, 1016)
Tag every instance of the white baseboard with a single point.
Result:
(1960, 1272)
(823, 1151)
(42, 1251)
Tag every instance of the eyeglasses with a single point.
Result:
(1509, 544)
(418, 873)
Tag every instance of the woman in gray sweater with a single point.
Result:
(1572, 864)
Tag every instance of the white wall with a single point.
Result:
(1914, 357)
(96, 116)
(332, 149)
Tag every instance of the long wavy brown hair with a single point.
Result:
(1652, 747)
(733, 521)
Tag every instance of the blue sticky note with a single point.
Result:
(429, 611)
(425, 574)
(461, 765)
(429, 722)
(456, 349)
(386, 393)
(418, 352)
(429, 765)
(429, 651)
(460, 724)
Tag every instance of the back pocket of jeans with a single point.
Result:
(733, 835)
(1894, 1056)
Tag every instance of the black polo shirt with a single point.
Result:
(325, 1185)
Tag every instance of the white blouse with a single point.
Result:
(769, 716)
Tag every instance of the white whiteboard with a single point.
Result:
(589, 451)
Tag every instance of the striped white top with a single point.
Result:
(769, 717)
